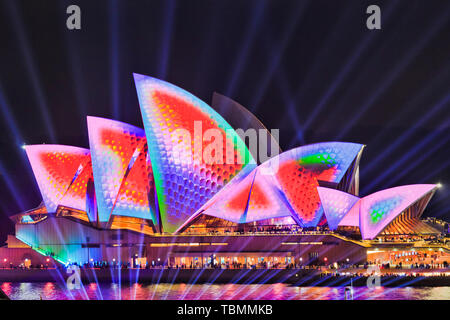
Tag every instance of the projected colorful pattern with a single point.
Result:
(113, 145)
(55, 167)
(217, 205)
(137, 185)
(250, 196)
(336, 204)
(351, 219)
(27, 219)
(300, 170)
(379, 209)
(253, 198)
(265, 201)
(75, 196)
(184, 182)
(231, 203)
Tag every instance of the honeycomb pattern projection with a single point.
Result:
(381, 208)
(351, 219)
(265, 201)
(217, 203)
(175, 122)
(75, 196)
(54, 167)
(300, 169)
(132, 199)
(336, 204)
(233, 200)
(113, 145)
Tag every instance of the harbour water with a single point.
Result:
(279, 291)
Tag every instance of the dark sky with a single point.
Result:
(310, 68)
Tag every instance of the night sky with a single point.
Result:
(310, 68)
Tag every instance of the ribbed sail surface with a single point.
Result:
(62, 174)
(113, 145)
(177, 125)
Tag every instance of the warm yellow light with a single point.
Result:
(182, 244)
(301, 243)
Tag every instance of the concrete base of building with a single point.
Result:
(298, 277)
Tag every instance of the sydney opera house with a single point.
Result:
(132, 196)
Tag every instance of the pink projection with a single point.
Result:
(232, 205)
(336, 205)
(62, 174)
(248, 198)
(380, 208)
(372, 213)
(283, 186)
(265, 200)
(121, 177)
(184, 180)
(301, 169)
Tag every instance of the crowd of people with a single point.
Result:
(268, 229)
(23, 266)
(332, 268)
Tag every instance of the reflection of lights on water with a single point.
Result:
(226, 292)
(49, 289)
(6, 288)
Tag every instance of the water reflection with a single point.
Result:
(94, 291)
